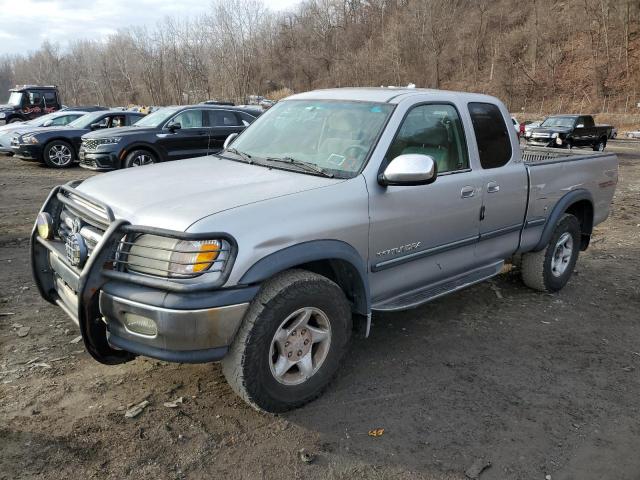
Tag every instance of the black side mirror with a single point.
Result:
(173, 126)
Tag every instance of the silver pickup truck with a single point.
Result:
(332, 205)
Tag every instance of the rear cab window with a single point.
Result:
(492, 136)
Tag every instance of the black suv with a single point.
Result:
(170, 133)
(27, 102)
(57, 147)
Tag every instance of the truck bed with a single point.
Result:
(532, 156)
(554, 173)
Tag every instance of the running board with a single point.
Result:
(418, 297)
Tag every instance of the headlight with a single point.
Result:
(170, 257)
(107, 141)
(554, 135)
(29, 139)
(3, 115)
(44, 225)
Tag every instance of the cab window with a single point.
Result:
(433, 130)
(64, 119)
(189, 119)
(35, 99)
(223, 118)
(494, 143)
(50, 98)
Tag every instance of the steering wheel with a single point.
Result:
(354, 154)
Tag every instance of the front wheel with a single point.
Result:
(290, 343)
(139, 158)
(58, 154)
(550, 269)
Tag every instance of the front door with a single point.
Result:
(190, 140)
(421, 235)
(504, 185)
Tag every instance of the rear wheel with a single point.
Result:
(599, 147)
(290, 343)
(16, 120)
(140, 158)
(550, 269)
(58, 154)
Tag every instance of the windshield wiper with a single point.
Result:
(309, 166)
(245, 156)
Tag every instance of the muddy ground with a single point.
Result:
(535, 384)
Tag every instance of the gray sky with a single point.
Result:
(25, 24)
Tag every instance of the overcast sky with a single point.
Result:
(25, 24)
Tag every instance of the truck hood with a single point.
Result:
(174, 195)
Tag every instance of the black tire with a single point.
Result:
(139, 158)
(58, 154)
(15, 120)
(600, 145)
(248, 366)
(537, 268)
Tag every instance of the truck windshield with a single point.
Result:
(334, 135)
(15, 99)
(156, 118)
(559, 122)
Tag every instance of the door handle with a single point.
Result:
(467, 192)
(493, 187)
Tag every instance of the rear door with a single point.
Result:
(504, 183)
(191, 140)
(222, 123)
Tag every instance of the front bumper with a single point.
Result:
(99, 161)
(189, 336)
(192, 325)
(27, 152)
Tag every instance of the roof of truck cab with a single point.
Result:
(382, 94)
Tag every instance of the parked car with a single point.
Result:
(57, 147)
(171, 133)
(324, 208)
(568, 131)
(613, 133)
(633, 134)
(529, 126)
(55, 119)
(516, 126)
(27, 102)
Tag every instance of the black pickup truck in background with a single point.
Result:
(568, 131)
(27, 102)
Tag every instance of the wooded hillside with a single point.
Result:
(536, 55)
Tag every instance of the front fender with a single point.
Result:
(311, 251)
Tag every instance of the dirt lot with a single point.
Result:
(535, 384)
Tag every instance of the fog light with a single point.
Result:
(141, 325)
(559, 141)
(44, 223)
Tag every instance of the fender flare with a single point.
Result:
(314, 250)
(558, 210)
